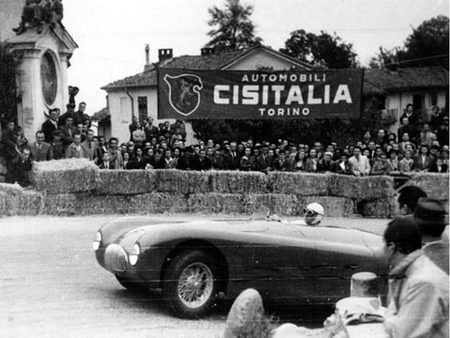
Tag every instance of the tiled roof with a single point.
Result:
(382, 81)
(148, 77)
(376, 81)
(206, 62)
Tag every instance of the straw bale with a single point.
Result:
(238, 182)
(88, 204)
(159, 203)
(381, 208)
(182, 182)
(216, 203)
(435, 185)
(31, 203)
(334, 206)
(12, 195)
(280, 204)
(65, 176)
(126, 182)
(4, 210)
(362, 188)
(60, 204)
(302, 184)
(15, 200)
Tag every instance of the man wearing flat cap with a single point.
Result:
(430, 217)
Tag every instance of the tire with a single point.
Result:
(190, 283)
(130, 285)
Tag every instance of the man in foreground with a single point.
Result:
(418, 288)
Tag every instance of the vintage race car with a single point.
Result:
(194, 262)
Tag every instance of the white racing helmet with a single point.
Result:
(314, 213)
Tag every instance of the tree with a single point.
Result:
(324, 50)
(8, 95)
(428, 45)
(234, 28)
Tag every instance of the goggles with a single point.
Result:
(309, 212)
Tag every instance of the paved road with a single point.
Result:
(52, 286)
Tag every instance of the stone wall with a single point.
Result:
(68, 187)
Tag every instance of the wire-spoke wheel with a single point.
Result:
(190, 283)
(195, 285)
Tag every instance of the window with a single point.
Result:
(142, 107)
(418, 101)
(433, 99)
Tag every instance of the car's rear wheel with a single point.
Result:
(190, 283)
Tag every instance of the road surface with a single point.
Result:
(52, 286)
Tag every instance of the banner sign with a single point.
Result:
(213, 94)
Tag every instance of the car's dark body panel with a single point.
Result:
(285, 262)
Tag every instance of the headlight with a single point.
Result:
(134, 254)
(97, 241)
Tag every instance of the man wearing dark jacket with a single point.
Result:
(49, 126)
(40, 150)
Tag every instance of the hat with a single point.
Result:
(316, 207)
(329, 153)
(430, 212)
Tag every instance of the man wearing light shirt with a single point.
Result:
(359, 163)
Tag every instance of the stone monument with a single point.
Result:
(43, 53)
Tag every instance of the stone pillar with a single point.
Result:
(30, 113)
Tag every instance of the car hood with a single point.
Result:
(129, 229)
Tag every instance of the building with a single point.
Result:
(44, 58)
(423, 87)
(137, 95)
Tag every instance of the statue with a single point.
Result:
(73, 91)
(36, 13)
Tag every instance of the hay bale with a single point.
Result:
(31, 203)
(301, 184)
(334, 206)
(159, 203)
(361, 188)
(3, 204)
(435, 185)
(238, 182)
(125, 182)
(216, 203)
(12, 194)
(380, 208)
(60, 204)
(88, 204)
(280, 204)
(182, 182)
(65, 176)
(15, 200)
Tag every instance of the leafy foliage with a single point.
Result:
(428, 45)
(325, 50)
(235, 30)
(8, 98)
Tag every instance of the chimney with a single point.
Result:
(148, 66)
(164, 54)
(147, 55)
(207, 51)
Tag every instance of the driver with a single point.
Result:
(314, 213)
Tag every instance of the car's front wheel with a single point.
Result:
(190, 283)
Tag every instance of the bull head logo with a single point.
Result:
(184, 92)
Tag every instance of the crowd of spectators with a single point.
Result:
(416, 147)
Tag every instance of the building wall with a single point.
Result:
(260, 59)
(396, 103)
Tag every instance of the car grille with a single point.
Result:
(115, 258)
